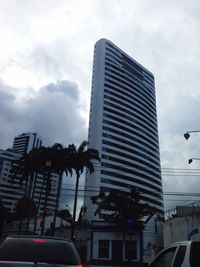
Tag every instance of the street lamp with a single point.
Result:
(191, 160)
(187, 134)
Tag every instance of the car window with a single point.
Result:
(39, 250)
(180, 256)
(165, 258)
(195, 254)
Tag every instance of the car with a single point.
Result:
(180, 254)
(25, 251)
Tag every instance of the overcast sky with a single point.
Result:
(46, 54)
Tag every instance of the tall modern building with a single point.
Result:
(123, 128)
(23, 143)
(11, 190)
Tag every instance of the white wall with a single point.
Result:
(178, 229)
(152, 238)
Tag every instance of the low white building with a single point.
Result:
(106, 244)
(184, 224)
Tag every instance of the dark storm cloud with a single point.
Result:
(61, 86)
(53, 112)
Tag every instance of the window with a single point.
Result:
(164, 259)
(125, 185)
(122, 131)
(194, 254)
(126, 177)
(129, 171)
(131, 250)
(126, 120)
(131, 94)
(48, 251)
(180, 257)
(103, 248)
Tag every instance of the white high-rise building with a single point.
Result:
(123, 128)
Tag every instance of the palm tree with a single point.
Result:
(37, 161)
(81, 158)
(26, 169)
(58, 161)
(22, 171)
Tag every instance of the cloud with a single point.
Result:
(53, 112)
(63, 87)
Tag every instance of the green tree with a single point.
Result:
(42, 160)
(123, 209)
(65, 215)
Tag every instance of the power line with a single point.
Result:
(98, 165)
(179, 194)
(169, 170)
(164, 200)
(96, 188)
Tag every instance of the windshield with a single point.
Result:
(34, 251)
(194, 254)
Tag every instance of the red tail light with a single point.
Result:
(79, 265)
(39, 240)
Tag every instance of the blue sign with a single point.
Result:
(130, 223)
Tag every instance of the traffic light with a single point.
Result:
(46, 210)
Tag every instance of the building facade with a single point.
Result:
(123, 128)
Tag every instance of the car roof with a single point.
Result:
(185, 242)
